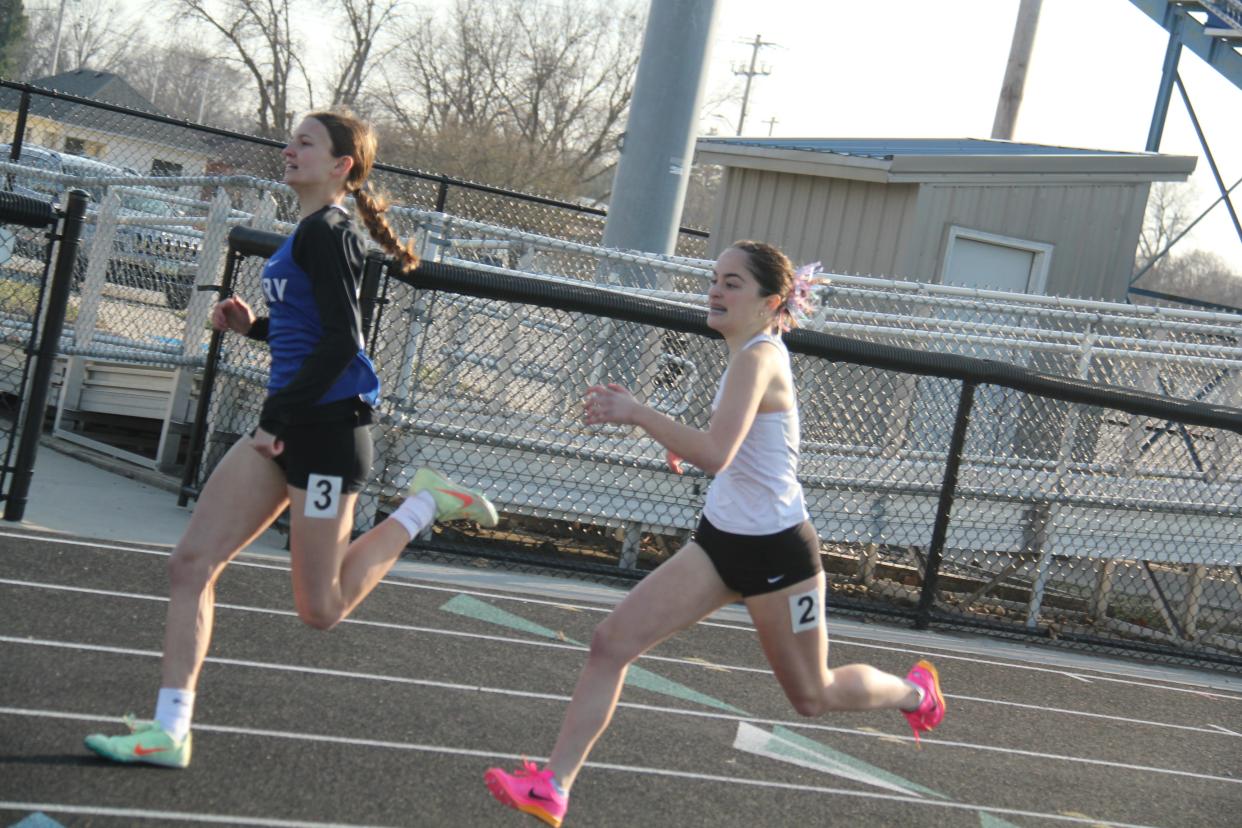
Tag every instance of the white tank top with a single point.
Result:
(759, 493)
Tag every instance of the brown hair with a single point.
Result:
(773, 271)
(353, 137)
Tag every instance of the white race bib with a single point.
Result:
(323, 496)
(805, 610)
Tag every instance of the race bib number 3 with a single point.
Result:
(805, 609)
(323, 496)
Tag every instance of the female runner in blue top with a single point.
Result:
(311, 451)
(754, 542)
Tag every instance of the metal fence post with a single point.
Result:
(49, 345)
(948, 490)
(19, 130)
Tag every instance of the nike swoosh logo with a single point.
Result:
(465, 499)
(139, 750)
(774, 580)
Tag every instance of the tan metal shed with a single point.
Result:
(997, 214)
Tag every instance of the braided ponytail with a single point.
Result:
(354, 137)
(371, 208)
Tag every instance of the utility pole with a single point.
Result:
(1015, 70)
(771, 122)
(60, 16)
(755, 45)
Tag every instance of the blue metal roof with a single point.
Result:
(886, 149)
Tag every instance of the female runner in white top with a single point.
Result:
(755, 542)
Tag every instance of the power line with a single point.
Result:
(751, 72)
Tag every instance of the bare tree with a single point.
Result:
(190, 82)
(523, 94)
(1199, 274)
(95, 34)
(365, 21)
(260, 37)
(13, 23)
(1168, 214)
(1195, 273)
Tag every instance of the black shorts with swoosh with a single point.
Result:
(755, 564)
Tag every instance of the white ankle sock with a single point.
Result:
(415, 513)
(174, 710)
(922, 695)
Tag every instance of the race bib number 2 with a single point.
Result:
(323, 496)
(805, 610)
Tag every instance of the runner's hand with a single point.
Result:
(269, 445)
(611, 403)
(232, 314)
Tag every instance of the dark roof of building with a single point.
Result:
(99, 86)
(107, 88)
(889, 148)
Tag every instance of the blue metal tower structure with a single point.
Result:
(1212, 29)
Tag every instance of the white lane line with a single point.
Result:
(1114, 674)
(166, 816)
(638, 769)
(1041, 708)
(525, 642)
(648, 708)
(1225, 730)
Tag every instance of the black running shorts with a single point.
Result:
(334, 449)
(756, 564)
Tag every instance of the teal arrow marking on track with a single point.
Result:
(636, 677)
(850, 762)
(482, 611)
(647, 680)
(986, 820)
(39, 820)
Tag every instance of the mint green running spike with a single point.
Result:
(146, 742)
(453, 502)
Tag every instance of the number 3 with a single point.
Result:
(325, 490)
(323, 494)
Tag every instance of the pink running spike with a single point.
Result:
(930, 711)
(529, 790)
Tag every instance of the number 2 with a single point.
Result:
(803, 613)
(808, 615)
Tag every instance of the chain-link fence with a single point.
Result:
(38, 247)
